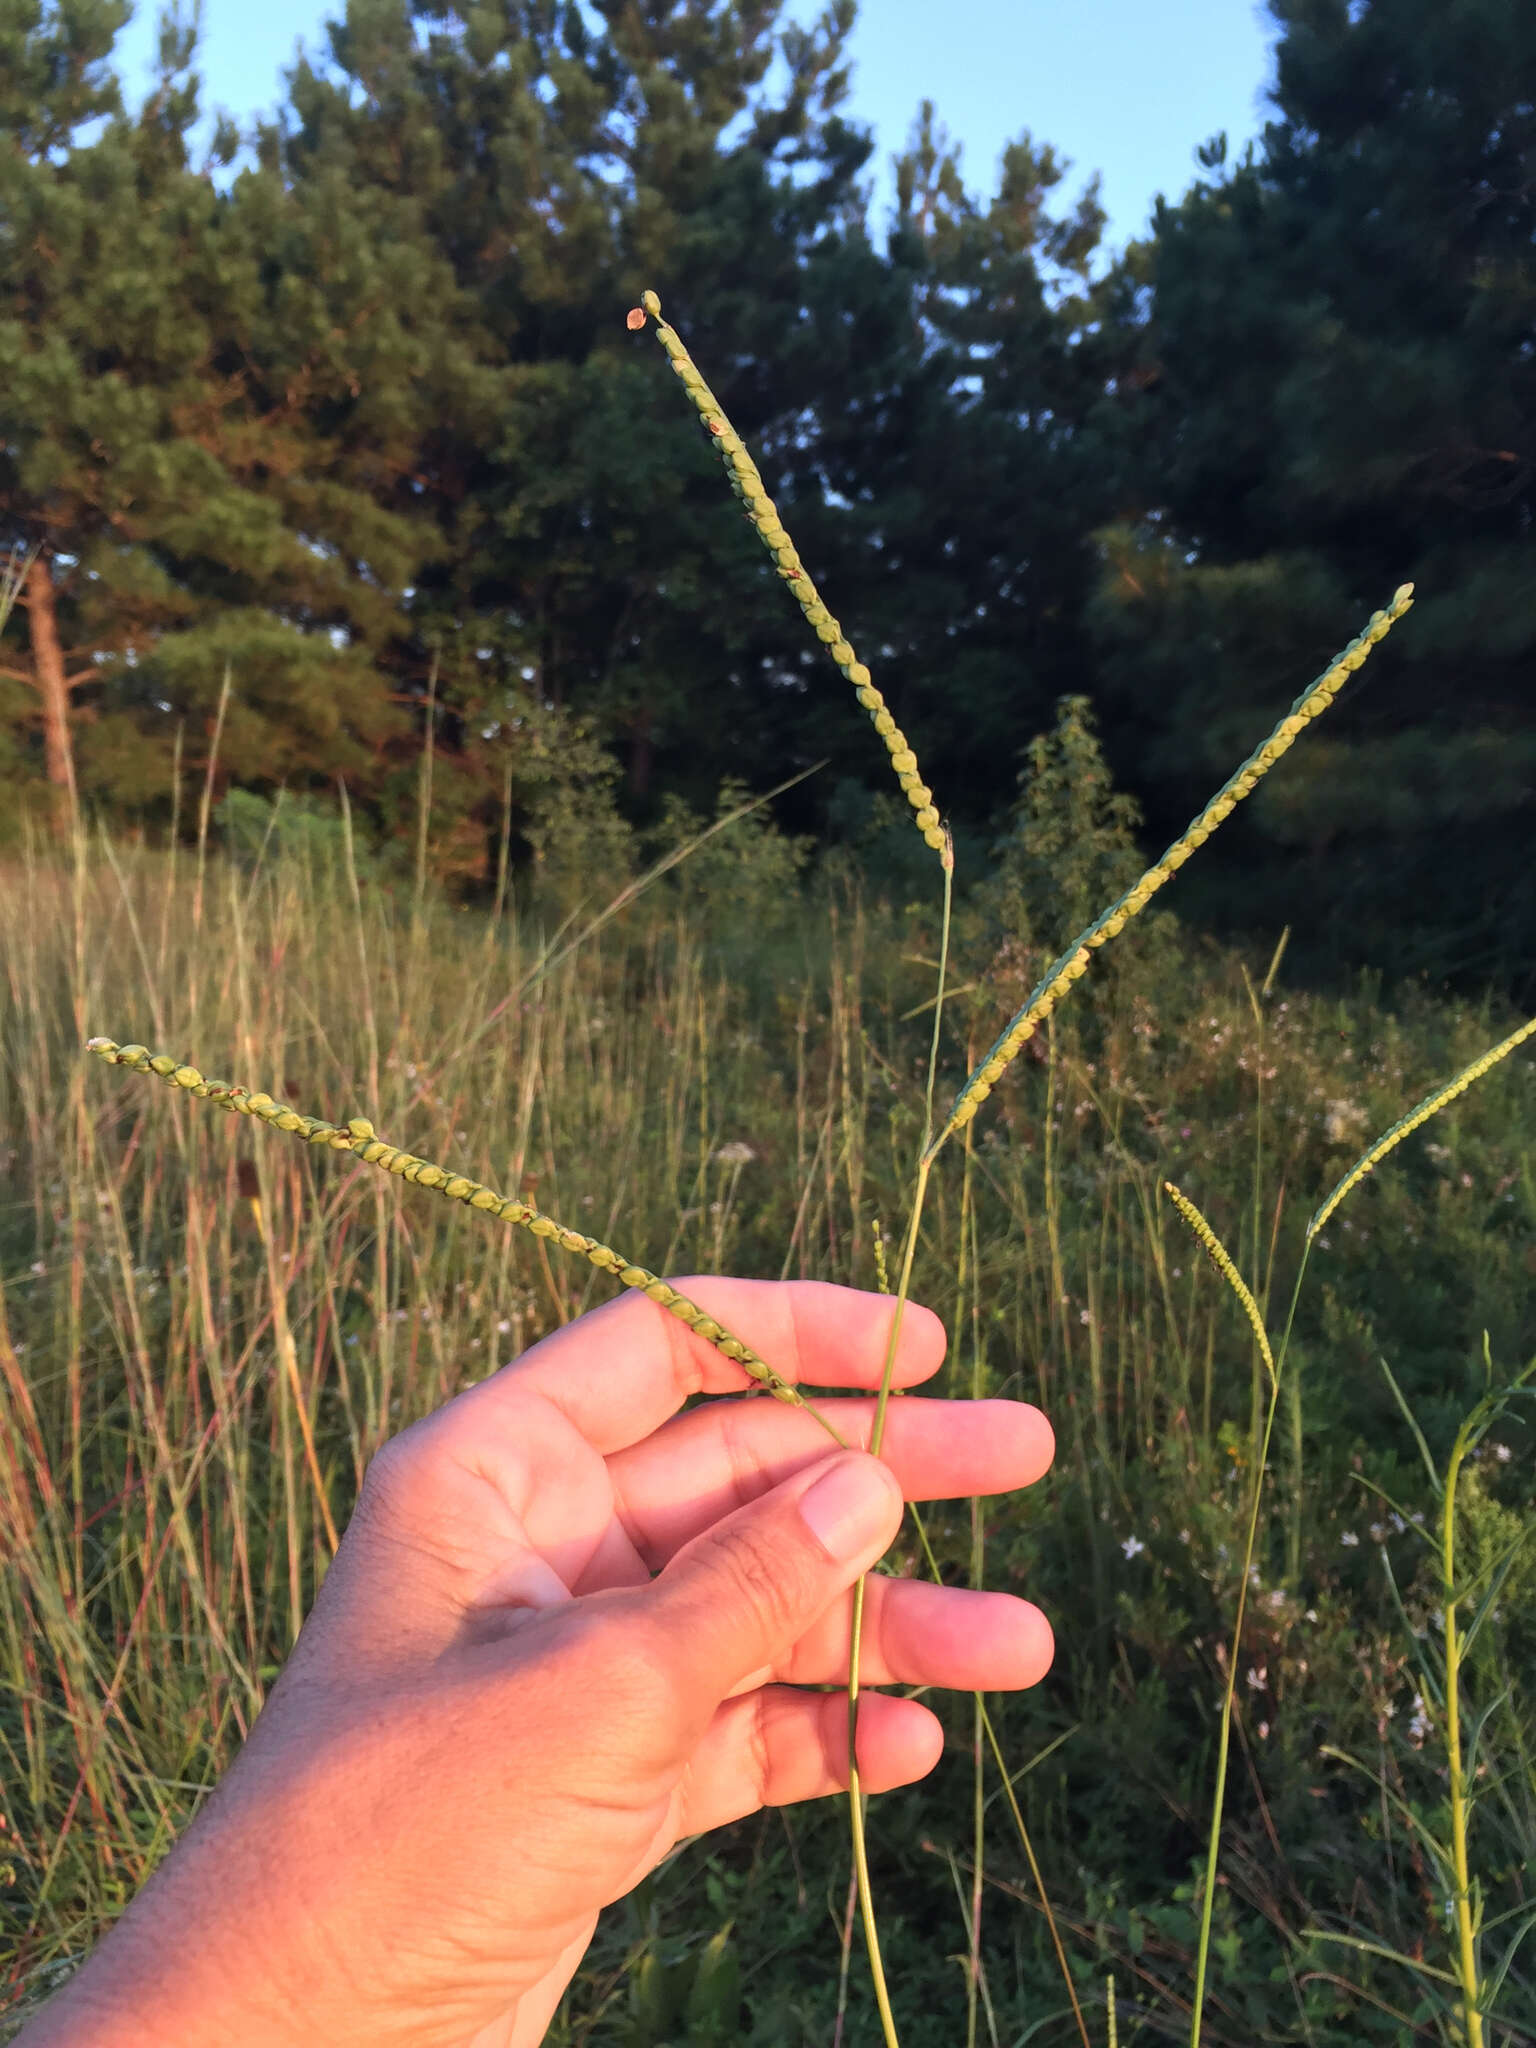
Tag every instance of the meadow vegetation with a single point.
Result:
(208, 1331)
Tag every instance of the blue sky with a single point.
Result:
(1117, 86)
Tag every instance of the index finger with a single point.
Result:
(620, 1372)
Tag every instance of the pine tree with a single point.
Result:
(203, 400)
(54, 81)
(1339, 394)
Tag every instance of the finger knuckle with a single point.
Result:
(759, 1574)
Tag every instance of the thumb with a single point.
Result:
(743, 1592)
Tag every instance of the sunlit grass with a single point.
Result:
(173, 1345)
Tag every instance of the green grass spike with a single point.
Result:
(1420, 1114)
(1075, 961)
(358, 1136)
(745, 480)
(1221, 1259)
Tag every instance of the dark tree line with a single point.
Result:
(361, 428)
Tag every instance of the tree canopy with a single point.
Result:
(348, 413)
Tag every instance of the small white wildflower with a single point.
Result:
(736, 1153)
(1342, 1121)
(503, 1328)
(1503, 1453)
(1263, 1731)
(38, 1267)
(1183, 1535)
(1311, 1614)
(1133, 1546)
(1418, 1726)
(1397, 1522)
(1258, 1676)
(1085, 1315)
(1350, 1540)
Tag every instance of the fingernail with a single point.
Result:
(849, 1509)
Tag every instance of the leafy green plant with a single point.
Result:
(1451, 1860)
(1471, 1576)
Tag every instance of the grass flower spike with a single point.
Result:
(359, 1136)
(1221, 1259)
(1074, 963)
(746, 481)
(1420, 1114)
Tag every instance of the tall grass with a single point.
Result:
(186, 1299)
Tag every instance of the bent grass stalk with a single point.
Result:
(1221, 1259)
(358, 1136)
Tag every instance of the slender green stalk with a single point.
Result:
(1222, 1261)
(877, 1437)
(205, 809)
(1466, 1941)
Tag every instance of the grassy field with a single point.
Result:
(208, 1331)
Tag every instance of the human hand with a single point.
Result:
(495, 1721)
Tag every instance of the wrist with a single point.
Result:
(118, 2002)
(167, 1974)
